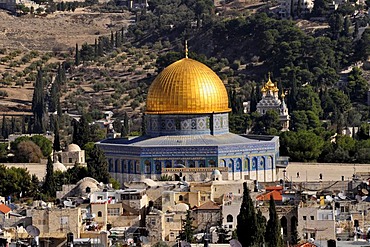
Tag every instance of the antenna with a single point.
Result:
(33, 231)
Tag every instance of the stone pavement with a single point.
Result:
(329, 171)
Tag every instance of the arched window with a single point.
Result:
(191, 163)
(211, 163)
(100, 214)
(147, 166)
(238, 164)
(201, 163)
(284, 225)
(168, 164)
(229, 218)
(123, 170)
(158, 166)
(110, 162)
(181, 198)
(88, 190)
(116, 166)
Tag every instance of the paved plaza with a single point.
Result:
(301, 172)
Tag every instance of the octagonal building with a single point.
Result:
(187, 134)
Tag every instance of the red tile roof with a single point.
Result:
(270, 188)
(305, 245)
(4, 209)
(209, 206)
(276, 195)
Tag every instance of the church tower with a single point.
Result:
(270, 101)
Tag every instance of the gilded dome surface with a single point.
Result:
(187, 87)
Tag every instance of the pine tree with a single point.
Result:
(187, 229)
(49, 187)
(247, 220)
(97, 165)
(273, 230)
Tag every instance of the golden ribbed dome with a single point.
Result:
(187, 87)
(269, 85)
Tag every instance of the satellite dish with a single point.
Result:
(328, 198)
(235, 243)
(364, 191)
(33, 231)
(68, 203)
(342, 196)
(144, 239)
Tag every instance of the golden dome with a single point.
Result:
(269, 85)
(187, 87)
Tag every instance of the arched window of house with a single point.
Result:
(229, 218)
(181, 198)
(100, 214)
(284, 225)
(88, 190)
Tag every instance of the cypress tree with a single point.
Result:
(96, 48)
(261, 228)
(4, 128)
(247, 220)
(81, 131)
(23, 124)
(111, 39)
(97, 165)
(125, 126)
(116, 39)
(77, 56)
(56, 143)
(38, 103)
(253, 105)
(12, 127)
(49, 187)
(273, 230)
